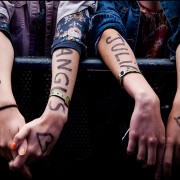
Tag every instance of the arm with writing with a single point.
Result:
(68, 45)
(147, 132)
(146, 139)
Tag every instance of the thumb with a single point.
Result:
(23, 168)
(20, 140)
(22, 148)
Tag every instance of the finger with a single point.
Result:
(141, 156)
(167, 162)
(131, 145)
(22, 148)
(20, 136)
(25, 171)
(18, 163)
(18, 160)
(13, 146)
(151, 158)
(160, 155)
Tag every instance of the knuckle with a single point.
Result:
(152, 141)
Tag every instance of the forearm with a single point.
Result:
(177, 96)
(6, 63)
(68, 45)
(65, 63)
(117, 54)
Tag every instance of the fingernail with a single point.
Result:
(13, 146)
(22, 152)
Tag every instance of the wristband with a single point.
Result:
(66, 99)
(125, 72)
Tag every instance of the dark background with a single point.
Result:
(90, 144)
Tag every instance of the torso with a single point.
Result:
(154, 31)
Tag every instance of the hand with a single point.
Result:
(172, 151)
(41, 134)
(147, 134)
(11, 121)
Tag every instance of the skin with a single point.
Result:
(36, 139)
(11, 119)
(42, 133)
(156, 146)
(172, 151)
(147, 131)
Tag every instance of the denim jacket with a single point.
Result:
(124, 16)
(19, 21)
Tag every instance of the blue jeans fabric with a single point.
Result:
(124, 16)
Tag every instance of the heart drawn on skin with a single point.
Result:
(44, 140)
(177, 119)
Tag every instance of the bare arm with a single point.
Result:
(172, 153)
(11, 119)
(6, 62)
(147, 132)
(117, 54)
(42, 133)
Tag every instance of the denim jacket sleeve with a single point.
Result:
(72, 26)
(171, 10)
(6, 12)
(173, 43)
(105, 17)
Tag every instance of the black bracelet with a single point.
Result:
(8, 106)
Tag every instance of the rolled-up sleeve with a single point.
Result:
(73, 24)
(105, 17)
(6, 12)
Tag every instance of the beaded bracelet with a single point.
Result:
(66, 99)
(125, 72)
(8, 106)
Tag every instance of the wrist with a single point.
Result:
(58, 116)
(6, 102)
(147, 98)
(6, 98)
(125, 71)
(66, 100)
